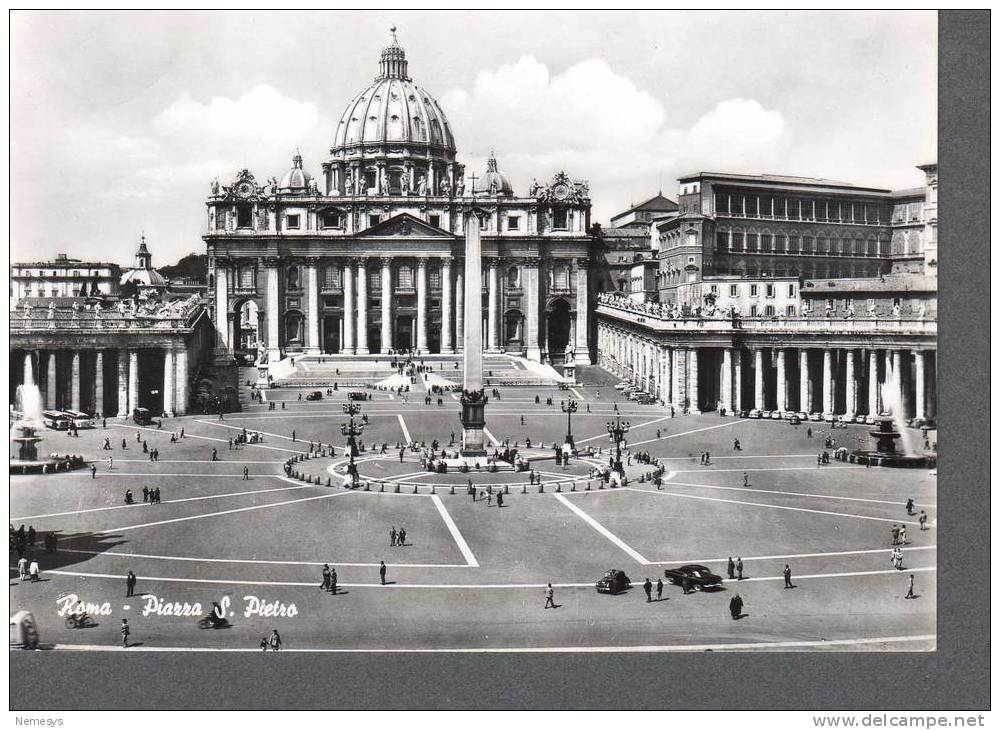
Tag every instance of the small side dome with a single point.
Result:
(295, 180)
(493, 181)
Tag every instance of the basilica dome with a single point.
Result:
(493, 182)
(296, 179)
(394, 110)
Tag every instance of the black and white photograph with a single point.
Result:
(495, 336)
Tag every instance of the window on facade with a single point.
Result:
(751, 242)
(753, 210)
(769, 310)
(434, 220)
(872, 250)
(560, 219)
(769, 291)
(244, 215)
(721, 204)
(714, 288)
(246, 277)
(294, 221)
(513, 277)
(733, 290)
(434, 278)
(331, 277)
(722, 241)
(737, 241)
(513, 222)
(404, 277)
(790, 310)
(332, 220)
(374, 281)
(765, 242)
(373, 220)
(484, 223)
(753, 310)
(753, 290)
(560, 279)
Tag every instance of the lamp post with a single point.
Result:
(352, 431)
(617, 430)
(569, 408)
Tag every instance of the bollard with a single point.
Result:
(397, 487)
(414, 488)
(367, 488)
(506, 489)
(572, 487)
(558, 487)
(600, 485)
(524, 489)
(588, 486)
(381, 486)
(452, 489)
(328, 481)
(541, 488)
(433, 489)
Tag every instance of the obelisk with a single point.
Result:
(473, 397)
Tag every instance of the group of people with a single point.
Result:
(397, 539)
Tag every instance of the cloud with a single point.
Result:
(595, 122)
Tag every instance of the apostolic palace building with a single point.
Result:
(366, 255)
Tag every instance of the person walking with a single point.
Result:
(274, 640)
(381, 572)
(499, 499)
(895, 534)
(659, 589)
(909, 588)
(787, 572)
(33, 571)
(215, 454)
(392, 536)
(125, 631)
(333, 581)
(922, 520)
(111, 463)
(648, 588)
(22, 567)
(401, 537)
(731, 568)
(909, 506)
(325, 585)
(93, 471)
(130, 584)
(746, 479)
(124, 445)
(902, 534)
(549, 597)
(246, 474)
(739, 568)
(736, 607)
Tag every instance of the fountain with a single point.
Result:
(890, 428)
(25, 439)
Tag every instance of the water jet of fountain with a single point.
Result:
(892, 400)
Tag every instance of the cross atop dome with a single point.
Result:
(393, 62)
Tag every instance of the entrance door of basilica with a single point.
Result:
(404, 338)
(331, 335)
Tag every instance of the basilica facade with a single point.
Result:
(367, 256)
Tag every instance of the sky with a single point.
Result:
(120, 120)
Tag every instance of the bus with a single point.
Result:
(56, 420)
(79, 419)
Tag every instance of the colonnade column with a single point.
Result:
(422, 305)
(222, 302)
(738, 380)
(312, 304)
(446, 344)
(804, 402)
(460, 307)
(50, 384)
(122, 383)
(872, 383)
(693, 405)
(827, 381)
(386, 304)
(181, 401)
(781, 402)
(678, 380)
(758, 378)
(897, 377)
(727, 380)
(74, 381)
(493, 313)
(851, 401)
(534, 352)
(168, 382)
(347, 346)
(919, 377)
(273, 309)
(362, 334)
(133, 381)
(99, 382)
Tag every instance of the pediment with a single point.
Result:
(405, 224)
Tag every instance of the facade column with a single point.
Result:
(386, 304)
(758, 378)
(680, 389)
(460, 307)
(312, 303)
(494, 308)
(872, 383)
(693, 406)
(122, 383)
(347, 345)
(738, 379)
(804, 402)
(582, 345)
(50, 383)
(446, 344)
(422, 305)
(533, 302)
(222, 303)
(781, 397)
(852, 386)
(133, 381)
(897, 376)
(273, 311)
(74, 381)
(99, 382)
(919, 381)
(168, 382)
(181, 384)
(827, 381)
(362, 334)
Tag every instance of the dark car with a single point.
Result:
(315, 395)
(698, 576)
(357, 395)
(142, 416)
(614, 581)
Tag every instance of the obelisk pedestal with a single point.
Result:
(473, 396)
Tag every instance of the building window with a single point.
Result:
(374, 281)
(294, 221)
(738, 241)
(753, 310)
(404, 277)
(765, 242)
(769, 291)
(332, 277)
(434, 220)
(434, 278)
(373, 220)
(769, 310)
(513, 277)
(722, 241)
(333, 220)
(513, 223)
(733, 290)
(790, 310)
(753, 290)
(560, 277)
(244, 215)
(752, 242)
(560, 219)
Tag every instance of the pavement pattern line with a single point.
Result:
(192, 461)
(791, 494)
(455, 586)
(493, 439)
(634, 554)
(456, 535)
(839, 553)
(575, 392)
(811, 468)
(775, 506)
(141, 505)
(686, 433)
(646, 648)
(244, 561)
(207, 438)
(406, 431)
(240, 429)
(638, 425)
(217, 514)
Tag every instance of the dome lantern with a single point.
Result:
(393, 62)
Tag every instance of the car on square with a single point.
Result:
(613, 582)
(315, 395)
(698, 576)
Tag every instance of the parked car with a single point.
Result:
(614, 581)
(829, 417)
(357, 395)
(645, 399)
(765, 414)
(815, 416)
(698, 576)
(794, 419)
(315, 395)
(142, 416)
(755, 413)
(776, 416)
(622, 385)
(870, 420)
